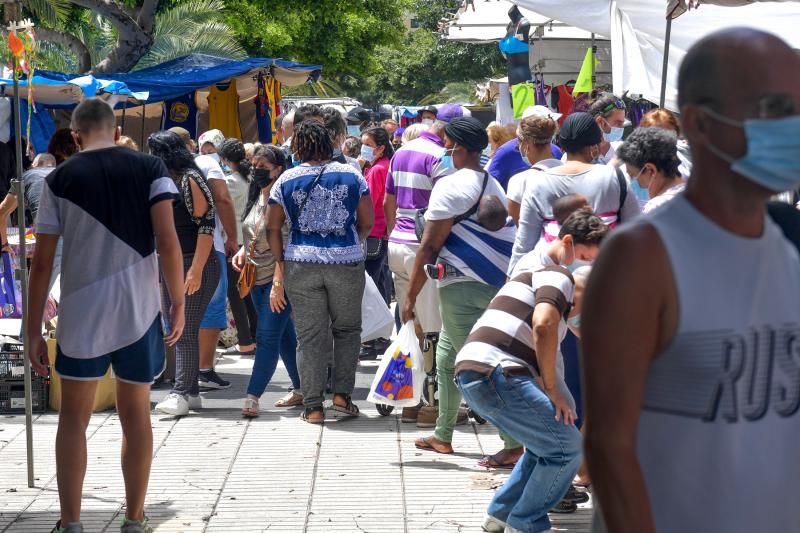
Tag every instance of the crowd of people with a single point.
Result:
(486, 241)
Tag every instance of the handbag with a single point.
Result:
(419, 216)
(247, 277)
(374, 247)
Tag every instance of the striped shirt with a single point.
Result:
(504, 334)
(481, 255)
(413, 171)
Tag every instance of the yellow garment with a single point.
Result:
(273, 89)
(523, 96)
(223, 110)
(584, 82)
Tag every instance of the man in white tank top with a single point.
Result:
(691, 325)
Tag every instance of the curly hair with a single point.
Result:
(537, 130)
(311, 142)
(170, 148)
(652, 145)
(584, 226)
(334, 123)
(233, 150)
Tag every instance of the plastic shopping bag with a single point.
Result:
(401, 373)
(10, 289)
(376, 319)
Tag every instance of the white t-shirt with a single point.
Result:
(453, 196)
(212, 171)
(519, 181)
(238, 187)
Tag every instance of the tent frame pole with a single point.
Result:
(22, 276)
(667, 36)
(122, 126)
(594, 55)
(144, 112)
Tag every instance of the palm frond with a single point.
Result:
(50, 11)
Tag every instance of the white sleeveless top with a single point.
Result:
(719, 433)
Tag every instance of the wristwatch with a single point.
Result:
(277, 283)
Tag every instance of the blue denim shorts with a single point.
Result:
(139, 363)
(215, 317)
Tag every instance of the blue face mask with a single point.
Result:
(642, 194)
(614, 135)
(773, 151)
(354, 131)
(574, 321)
(447, 159)
(525, 158)
(367, 153)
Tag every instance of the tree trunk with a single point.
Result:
(75, 45)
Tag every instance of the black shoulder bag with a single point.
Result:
(419, 217)
(623, 193)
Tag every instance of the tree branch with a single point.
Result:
(147, 15)
(75, 45)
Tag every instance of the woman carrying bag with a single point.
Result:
(260, 273)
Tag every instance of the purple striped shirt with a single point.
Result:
(413, 171)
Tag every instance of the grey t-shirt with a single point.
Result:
(33, 180)
(599, 185)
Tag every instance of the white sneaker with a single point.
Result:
(173, 404)
(493, 525)
(195, 403)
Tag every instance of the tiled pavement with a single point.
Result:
(216, 472)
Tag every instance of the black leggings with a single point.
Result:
(243, 310)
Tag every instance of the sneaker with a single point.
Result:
(134, 526)
(576, 496)
(409, 414)
(426, 418)
(564, 507)
(195, 402)
(368, 352)
(209, 379)
(493, 525)
(72, 527)
(173, 404)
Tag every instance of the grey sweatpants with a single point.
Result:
(326, 298)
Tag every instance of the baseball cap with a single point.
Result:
(540, 111)
(183, 133)
(429, 109)
(449, 111)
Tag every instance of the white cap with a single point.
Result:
(214, 137)
(540, 111)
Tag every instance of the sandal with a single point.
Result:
(427, 443)
(308, 411)
(290, 400)
(250, 409)
(349, 408)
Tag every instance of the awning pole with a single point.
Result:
(594, 54)
(141, 143)
(22, 276)
(667, 36)
(122, 126)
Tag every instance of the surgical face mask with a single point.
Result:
(295, 160)
(261, 177)
(614, 135)
(214, 156)
(427, 122)
(574, 321)
(367, 153)
(773, 151)
(525, 157)
(642, 194)
(447, 158)
(578, 263)
(354, 131)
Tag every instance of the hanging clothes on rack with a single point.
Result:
(181, 113)
(223, 109)
(523, 96)
(542, 89)
(264, 109)
(562, 101)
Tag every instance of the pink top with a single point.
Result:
(376, 179)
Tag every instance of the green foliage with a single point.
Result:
(341, 35)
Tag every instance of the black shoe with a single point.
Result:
(211, 380)
(576, 496)
(564, 507)
(381, 345)
(368, 352)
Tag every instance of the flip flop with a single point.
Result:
(489, 463)
(425, 444)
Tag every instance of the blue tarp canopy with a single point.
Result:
(198, 71)
(66, 90)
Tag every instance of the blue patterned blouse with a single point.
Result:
(325, 231)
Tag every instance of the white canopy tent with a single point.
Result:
(638, 29)
(557, 49)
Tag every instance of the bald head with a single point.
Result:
(712, 71)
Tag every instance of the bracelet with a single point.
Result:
(277, 283)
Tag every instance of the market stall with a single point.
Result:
(637, 29)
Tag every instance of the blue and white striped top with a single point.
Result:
(480, 254)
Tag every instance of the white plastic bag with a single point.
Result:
(401, 374)
(376, 319)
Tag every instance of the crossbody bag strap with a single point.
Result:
(474, 208)
(310, 189)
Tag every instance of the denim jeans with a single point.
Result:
(517, 406)
(275, 337)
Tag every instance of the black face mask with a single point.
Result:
(261, 177)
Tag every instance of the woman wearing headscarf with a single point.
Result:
(603, 186)
(467, 233)
(194, 223)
